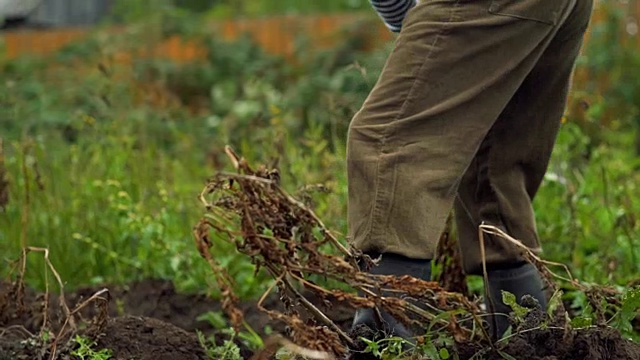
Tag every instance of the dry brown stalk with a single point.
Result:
(17, 328)
(101, 319)
(69, 326)
(284, 236)
(63, 304)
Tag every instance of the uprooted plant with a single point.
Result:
(283, 236)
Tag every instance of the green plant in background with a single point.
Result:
(113, 181)
(610, 59)
(226, 8)
(591, 184)
(593, 195)
(627, 313)
(138, 10)
(135, 10)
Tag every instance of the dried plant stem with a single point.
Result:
(309, 306)
(69, 318)
(319, 314)
(19, 328)
(284, 236)
(532, 257)
(61, 299)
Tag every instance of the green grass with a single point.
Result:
(587, 209)
(116, 205)
(112, 189)
(109, 208)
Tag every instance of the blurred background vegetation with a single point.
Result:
(107, 143)
(250, 8)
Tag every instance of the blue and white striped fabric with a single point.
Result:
(393, 12)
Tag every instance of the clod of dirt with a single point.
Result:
(553, 344)
(132, 337)
(604, 343)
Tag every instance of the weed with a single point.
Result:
(247, 336)
(86, 350)
(227, 351)
(519, 312)
(629, 310)
(389, 348)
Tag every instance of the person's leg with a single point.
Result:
(456, 65)
(501, 183)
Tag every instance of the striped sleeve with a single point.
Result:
(393, 12)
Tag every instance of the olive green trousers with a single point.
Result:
(464, 116)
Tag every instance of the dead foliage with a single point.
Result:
(283, 236)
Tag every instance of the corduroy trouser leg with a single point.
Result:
(464, 115)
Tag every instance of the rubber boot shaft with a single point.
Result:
(397, 265)
(520, 281)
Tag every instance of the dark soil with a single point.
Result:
(136, 337)
(150, 320)
(590, 344)
(146, 320)
(557, 343)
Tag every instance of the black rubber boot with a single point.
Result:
(366, 321)
(520, 281)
